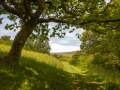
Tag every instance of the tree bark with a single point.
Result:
(14, 54)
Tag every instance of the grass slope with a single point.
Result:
(44, 72)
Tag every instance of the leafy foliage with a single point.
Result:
(39, 45)
(29, 45)
(82, 61)
(75, 60)
(105, 48)
(65, 14)
(6, 40)
(42, 45)
(56, 56)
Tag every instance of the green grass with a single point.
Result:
(34, 55)
(37, 72)
(109, 75)
(43, 72)
(110, 78)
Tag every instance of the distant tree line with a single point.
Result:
(38, 45)
(6, 40)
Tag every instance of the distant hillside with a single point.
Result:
(68, 54)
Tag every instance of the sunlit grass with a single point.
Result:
(66, 59)
(42, 58)
(35, 55)
(91, 69)
(43, 72)
(69, 68)
(37, 72)
(109, 75)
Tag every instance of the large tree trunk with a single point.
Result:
(15, 52)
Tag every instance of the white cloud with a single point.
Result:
(8, 33)
(63, 48)
(5, 31)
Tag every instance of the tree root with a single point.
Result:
(4, 61)
(9, 63)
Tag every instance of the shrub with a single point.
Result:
(66, 59)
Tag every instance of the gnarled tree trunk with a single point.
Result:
(15, 52)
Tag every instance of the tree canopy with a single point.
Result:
(66, 13)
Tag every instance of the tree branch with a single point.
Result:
(11, 10)
(41, 5)
(107, 21)
(41, 20)
(108, 4)
(99, 21)
(13, 2)
(28, 9)
(63, 5)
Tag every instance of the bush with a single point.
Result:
(106, 61)
(66, 59)
(81, 60)
(56, 56)
(112, 86)
(5, 42)
(75, 59)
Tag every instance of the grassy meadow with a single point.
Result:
(44, 72)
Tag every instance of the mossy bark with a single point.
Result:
(14, 54)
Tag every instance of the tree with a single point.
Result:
(30, 45)
(104, 47)
(6, 40)
(42, 45)
(91, 42)
(35, 14)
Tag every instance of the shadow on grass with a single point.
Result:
(34, 75)
(2, 53)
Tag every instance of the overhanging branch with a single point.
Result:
(99, 21)
(41, 20)
(13, 2)
(28, 9)
(40, 9)
(112, 20)
(11, 10)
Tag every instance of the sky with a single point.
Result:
(69, 43)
